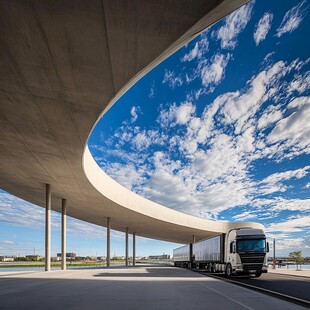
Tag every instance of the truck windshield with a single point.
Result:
(251, 245)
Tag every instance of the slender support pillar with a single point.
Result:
(134, 249)
(194, 239)
(48, 228)
(63, 234)
(108, 242)
(274, 254)
(126, 251)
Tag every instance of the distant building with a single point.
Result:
(7, 258)
(70, 255)
(101, 258)
(163, 256)
(56, 259)
(33, 257)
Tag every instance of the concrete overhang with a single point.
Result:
(63, 64)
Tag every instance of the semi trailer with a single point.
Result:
(240, 251)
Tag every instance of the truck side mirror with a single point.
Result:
(267, 247)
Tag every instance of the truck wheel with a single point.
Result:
(228, 271)
(213, 268)
(209, 268)
(258, 274)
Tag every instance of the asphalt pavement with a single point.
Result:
(143, 287)
(289, 285)
(286, 286)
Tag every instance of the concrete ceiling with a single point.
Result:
(63, 63)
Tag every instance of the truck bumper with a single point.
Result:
(240, 271)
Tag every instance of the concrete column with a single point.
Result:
(63, 234)
(126, 250)
(134, 249)
(48, 204)
(274, 254)
(194, 239)
(108, 242)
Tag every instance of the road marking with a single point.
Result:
(232, 299)
(296, 300)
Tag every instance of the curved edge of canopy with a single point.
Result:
(124, 198)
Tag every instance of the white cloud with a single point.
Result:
(152, 90)
(299, 102)
(141, 140)
(123, 135)
(15, 211)
(7, 242)
(279, 204)
(127, 175)
(292, 19)
(240, 107)
(294, 130)
(270, 116)
(263, 27)
(298, 224)
(234, 24)
(220, 160)
(267, 59)
(307, 186)
(273, 183)
(286, 242)
(172, 80)
(246, 215)
(176, 186)
(302, 205)
(184, 112)
(287, 175)
(213, 73)
(300, 83)
(199, 49)
(176, 114)
(165, 116)
(134, 113)
(192, 53)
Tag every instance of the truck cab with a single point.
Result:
(246, 252)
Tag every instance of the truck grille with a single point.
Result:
(252, 261)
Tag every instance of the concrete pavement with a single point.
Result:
(142, 287)
(291, 271)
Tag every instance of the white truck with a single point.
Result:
(240, 251)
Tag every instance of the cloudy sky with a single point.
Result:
(219, 130)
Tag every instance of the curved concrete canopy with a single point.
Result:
(62, 64)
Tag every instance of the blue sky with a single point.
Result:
(219, 130)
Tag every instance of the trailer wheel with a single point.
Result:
(228, 271)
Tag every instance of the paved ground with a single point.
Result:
(143, 287)
(289, 285)
(292, 271)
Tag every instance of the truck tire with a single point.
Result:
(258, 274)
(228, 271)
(209, 268)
